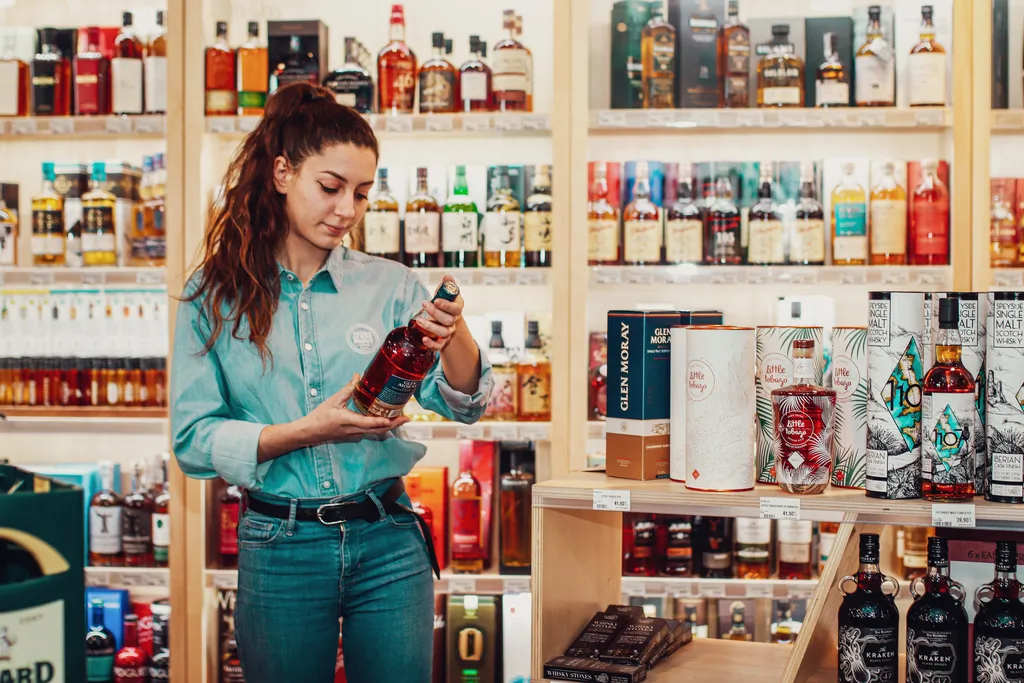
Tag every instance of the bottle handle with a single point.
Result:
(957, 590)
(984, 591)
(914, 590)
(895, 586)
(843, 581)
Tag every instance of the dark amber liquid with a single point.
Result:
(947, 376)
(401, 355)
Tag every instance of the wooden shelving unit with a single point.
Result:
(75, 413)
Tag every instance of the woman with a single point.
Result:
(271, 332)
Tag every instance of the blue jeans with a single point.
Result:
(297, 578)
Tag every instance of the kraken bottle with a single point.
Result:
(999, 623)
(869, 622)
(937, 623)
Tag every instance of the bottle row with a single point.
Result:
(1006, 223)
(127, 639)
(86, 71)
(83, 382)
(769, 213)
(239, 80)
(702, 55)
(729, 618)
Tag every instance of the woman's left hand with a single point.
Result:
(444, 321)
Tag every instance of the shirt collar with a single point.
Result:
(333, 267)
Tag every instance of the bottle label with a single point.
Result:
(98, 229)
(473, 87)
(459, 231)
(931, 229)
(503, 393)
(876, 80)
(511, 75)
(948, 424)
(795, 553)
(603, 240)
(156, 85)
(738, 53)
(1002, 656)
(534, 393)
(537, 230)
(501, 231)
(381, 232)
(868, 654)
(130, 673)
(44, 88)
(1007, 475)
(467, 525)
(161, 534)
(784, 95)
(422, 232)
(47, 245)
(684, 241)
(137, 525)
(808, 243)
(795, 531)
(832, 92)
(888, 226)
(105, 529)
(48, 223)
(803, 441)
(643, 241)
(851, 219)
(775, 371)
(10, 94)
(927, 78)
(229, 528)
(392, 397)
(437, 91)
(767, 243)
(126, 85)
(113, 394)
(222, 101)
(399, 86)
(753, 531)
(726, 239)
(932, 656)
(99, 666)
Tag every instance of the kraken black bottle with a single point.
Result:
(869, 622)
(937, 622)
(999, 623)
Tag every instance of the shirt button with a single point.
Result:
(327, 484)
(313, 392)
(304, 306)
(309, 347)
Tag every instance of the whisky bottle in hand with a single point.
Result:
(999, 623)
(868, 621)
(937, 622)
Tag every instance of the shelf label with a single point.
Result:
(221, 124)
(780, 508)
(536, 122)
(398, 124)
(517, 585)
(501, 432)
(59, 126)
(94, 278)
(659, 119)
(149, 124)
(537, 432)
(854, 276)
(711, 590)
(40, 278)
(512, 123)
(154, 276)
(640, 276)
(898, 276)
(686, 590)
(531, 277)
(473, 432)
(760, 590)
(613, 501)
(607, 277)
(247, 124)
(611, 119)
(959, 515)
(939, 277)
(440, 123)
(654, 588)
(493, 279)
(632, 588)
(478, 122)
(798, 592)
(461, 585)
(722, 278)
(118, 125)
(23, 127)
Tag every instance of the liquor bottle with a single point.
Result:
(467, 524)
(413, 487)
(937, 622)
(99, 247)
(131, 663)
(352, 84)
(15, 91)
(8, 235)
(422, 226)
(999, 621)
(780, 73)
(230, 501)
(538, 239)
(516, 506)
(513, 69)
(641, 562)
(126, 70)
(927, 66)
(642, 223)
(48, 223)
(929, 219)
(381, 230)
(51, 78)
(155, 68)
(804, 423)
(92, 77)
(658, 62)
(888, 220)
(253, 78)
(502, 224)
(137, 523)
(161, 518)
(220, 75)
(712, 536)
(534, 372)
(160, 664)
(684, 230)
(784, 631)
(105, 514)
(460, 228)
(400, 365)
(733, 60)
(1004, 235)
(722, 231)
(874, 65)
(504, 378)
(832, 83)
(849, 221)
(753, 538)
(230, 662)
(603, 240)
(438, 86)
(299, 66)
(868, 621)
(947, 415)
(794, 549)
(679, 547)
(767, 244)
(807, 243)
(826, 539)
(738, 631)
(396, 69)
(100, 647)
(475, 87)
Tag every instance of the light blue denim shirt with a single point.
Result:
(321, 335)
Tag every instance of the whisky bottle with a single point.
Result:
(475, 86)
(534, 373)
(99, 246)
(929, 219)
(868, 621)
(874, 65)
(400, 365)
(15, 90)
(658, 62)
(937, 622)
(460, 230)
(753, 539)
(91, 71)
(160, 664)
(381, 230)
(100, 646)
(888, 220)
(722, 231)
(155, 69)
(8, 235)
(504, 378)
(733, 60)
(538, 238)
(252, 73)
(785, 630)
(780, 73)
(849, 221)
(679, 547)
(105, 522)
(641, 561)
(467, 524)
(51, 78)
(794, 551)
(711, 535)
(352, 84)
(300, 66)
(422, 226)
(161, 534)
(137, 523)
(767, 238)
(947, 415)
(396, 69)
(502, 230)
(126, 70)
(927, 66)
(48, 223)
(642, 223)
(999, 621)
(684, 230)
(513, 67)
(516, 505)
(1004, 234)
(603, 239)
(807, 243)
(438, 84)
(220, 75)
(738, 631)
(912, 551)
(832, 84)
(131, 663)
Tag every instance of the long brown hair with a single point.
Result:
(238, 278)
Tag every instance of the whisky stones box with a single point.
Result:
(628, 20)
(312, 35)
(815, 30)
(601, 632)
(592, 671)
(637, 643)
(697, 23)
(473, 637)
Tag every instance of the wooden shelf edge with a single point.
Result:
(16, 412)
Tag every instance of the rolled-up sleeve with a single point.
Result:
(208, 441)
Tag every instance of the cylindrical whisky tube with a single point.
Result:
(895, 373)
(1004, 412)
(850, 381)
(720, 414)
(773, 353)
(677, 433)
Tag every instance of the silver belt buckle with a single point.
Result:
(320, 513)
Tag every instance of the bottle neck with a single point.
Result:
(382, 186)
(803, 371)
(397, 31)
(643, 188)
(1006, 585)
(460, 184)
(927, 30)
(948, 349)
(937, 580)
(96, 617)
(107, 480)
(421, 185)
(600, 188)
(869, 577)
(131, 635)
(874, 29)
(806, 189)
(685, 190)
(764, 189)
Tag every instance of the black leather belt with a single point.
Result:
(335, 513)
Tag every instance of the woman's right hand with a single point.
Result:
(334, 421)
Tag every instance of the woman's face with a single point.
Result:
(326, 195)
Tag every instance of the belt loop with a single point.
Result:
(380, 506)
(293, 507)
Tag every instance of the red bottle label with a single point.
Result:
(90, 84)
(931, 230)
(229, 529)
(466, 528)
(796, 429)
(393, 396)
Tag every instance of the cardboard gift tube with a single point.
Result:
(849, 379)
(1004, 411)
(677, 433)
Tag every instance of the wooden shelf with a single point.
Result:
(694, 587)
(128, 577)
(478, 584)
(935, 278)
(82, 127)
(38, 276)
(868, 120)
(416, 124)
(17, 413)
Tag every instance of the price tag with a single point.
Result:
(798, 592)
(804, 277)
(497, 279)
(501, 432)
(129, 579)
(440, 122)
(760, 590)
(40, 278)
(150, 276)
(614, 501)
(93, 278)
(659, 119)
(94, 578)
(536, 123)
(607, 277)
(654, 588)
(757, 276)
(780, 508)
(1009, 278)
(521, 585)
(531, 277)
(897, 276)
(611, 119)
(728, 119)
(23, 127)
(418, 432)
(473, 432)
(461, 585)
(722, 278)
(247, 124)
(536, 432)
(641, 276)
(61, 126)
(711, 590)
(398, 124)
(509, 122)
(149, 124)
(478, 122)
(632, 588)
(221, 124)
(853, 276)
(958, 515)
(901, 119)
(771, 120)
(118, 125)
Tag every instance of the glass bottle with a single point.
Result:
(794, 549)
(785, 630)
(155, 67)
(804, 426)
(8, 236)
(684, 230)
(413, 486)
(160, 664)
(658, 62)
(230, 502)
(999, 620)
(352, 84)
(460, 228)
(642, 223)
(220, 75)
(711, 536)
(849, 221)
(1003, 230)
(396, 69)
(738, 630)
(299, 66)
(513, 67)
(641, 561)
(937, 622)
(722, 231)
(99, 246)
(826, 538)
(137, 523)
(252, 73)
(48, 223)
(467, 524)
(929, 219)
(475, 79)
(230, 662)
(381, 228)
(767, 244)
(516, 515)
(753, 539)
(947, 415)
(504, 378)
(534, 372)
(131, 663)
(438, 84)
(888, 220)
(105, 521)
(868, 621)
(51, 78)
(126, 70)
(874, 65)
(926, 71)
(502, 240)
(733, 60)
(832, 83)
(100, 646)
(807, 243)
(603, 240)
(92, 77)
(679, 547)
(16, 93)
(161, 518)
(422, 226)
(780, 73)
(538, 238)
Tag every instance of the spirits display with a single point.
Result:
(106, 511)
(220, 75)
(927, 66)
(475, 79)
(155, 69)
(538, 238)
(875, 65)
(684, 230)
(126, 70)
(534, 373)
(513, 68)
(381, 228)
(99, 241)
(603, 240)
(438, 82)
(784, 632)
(734, 60)
(48, 222)
(753, 539)
(738, 630)
(679, 548)
(849, 221)
(51, 78)
(460, 231)
(780, 73)
(422, 226)
(826, 538)
(641, 561)
(137, 523)
(92, 76)
(937, 622)
(516, 506)
(131, 663)
(252, 73)
(888, 220)
(8, 235)
(767, 245)
(868, 621)
(658, 62)
(160, 664)
(999, 620)
(467, 524)
(15, 86)
(396, 69)
(832, 83)
(794, 552)
(929, 218)
(352, 84)
(1004, 233)
(100, 647)
(504, 378)
(641, 223)
(723, 241)
(502, 230)
(807, 243)
(1004, 359)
